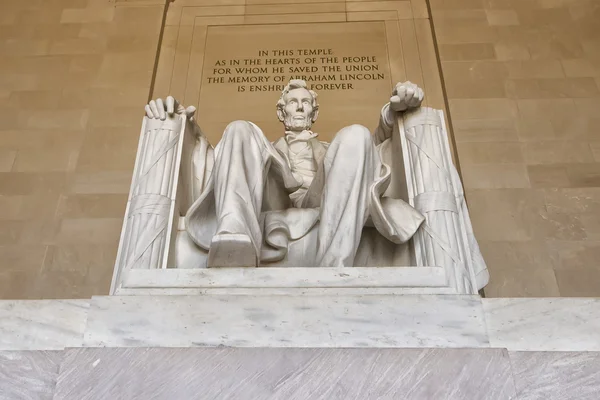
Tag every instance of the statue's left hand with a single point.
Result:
(159, 109)
(406, 95)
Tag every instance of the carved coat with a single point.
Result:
(393, 218)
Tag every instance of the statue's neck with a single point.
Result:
(297, 141)
(299, 135)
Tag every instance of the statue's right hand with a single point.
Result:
(159, 109)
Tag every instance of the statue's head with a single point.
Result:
(297, 107)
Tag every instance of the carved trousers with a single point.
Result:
(248, 168)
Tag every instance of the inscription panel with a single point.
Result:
(246, 67)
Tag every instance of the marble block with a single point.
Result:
(215, 281)
(544, 324)
(42, 324)
(286, 374)
(287, 321)
(556, 375)
(28, 375)
(280, 278)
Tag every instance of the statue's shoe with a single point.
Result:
(231, 250)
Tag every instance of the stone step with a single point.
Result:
(350, 320)
(285, 374)
(29, 374)
(287, 321)
(273, 281)
(297, 373)
(42, 324)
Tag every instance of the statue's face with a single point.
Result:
(298, 110)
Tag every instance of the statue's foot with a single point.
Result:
(231, 250)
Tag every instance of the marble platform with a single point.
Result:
(544, 324)
(42, 324)
(285, 374)
(287, 321)
(443, 321)
(274, 281)
(29, 374)
(300, 347)
(556, 375)
(297, 373)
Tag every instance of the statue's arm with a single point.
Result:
(385, 126)
(405, 96)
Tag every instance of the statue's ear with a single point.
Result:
(280, 114)
(315, 114)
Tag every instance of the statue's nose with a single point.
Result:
(300, 107)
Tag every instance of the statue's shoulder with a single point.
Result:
(280, 145)
(320, 142)
(278, 141)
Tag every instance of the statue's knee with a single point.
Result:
(237, 130)
(354, 136)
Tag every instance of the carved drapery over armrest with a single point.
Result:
(434, 188)
(197, 159)
(148, 227)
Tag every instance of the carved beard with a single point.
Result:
(293, 124)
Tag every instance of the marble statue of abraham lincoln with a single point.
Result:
(297, 181)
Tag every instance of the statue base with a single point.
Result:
(300, 347)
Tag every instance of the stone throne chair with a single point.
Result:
(172, 167)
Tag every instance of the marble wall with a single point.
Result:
(29, 375)
(285, 374)
(74, 75)
(521, 77)
(261, 373)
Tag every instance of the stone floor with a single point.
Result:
(267, 373)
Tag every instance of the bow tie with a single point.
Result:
(304, 136)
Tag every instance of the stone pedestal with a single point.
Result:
(300, 347)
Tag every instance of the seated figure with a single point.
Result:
(254, 197)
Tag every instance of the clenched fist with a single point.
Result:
(159, 109)
(406, 95)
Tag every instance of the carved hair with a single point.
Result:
(297, 84)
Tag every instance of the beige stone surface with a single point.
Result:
(522, 84)
(72, 76)
(520, 282)
(521, 80)
(581, 282)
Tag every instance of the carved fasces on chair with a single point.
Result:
(434, 188)
(148, 226)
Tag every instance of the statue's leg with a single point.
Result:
(241, 164)
(350, 165)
